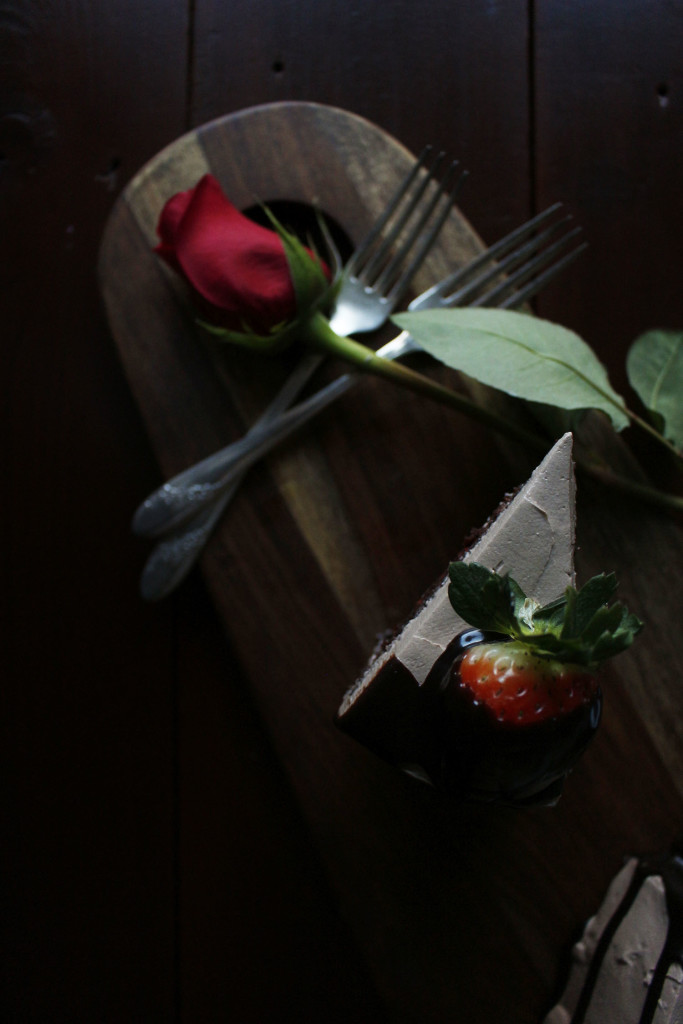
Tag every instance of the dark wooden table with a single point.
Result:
(159, 865)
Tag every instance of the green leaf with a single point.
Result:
(578, 628)
(655, 371)
(520, 354)
(552, 618)
(584, 604)
(483, 598)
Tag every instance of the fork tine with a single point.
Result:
(403, 343)
(493, 252)
(466, 294)
(541, 280)
(388, 240)
(445, 195)
(364, 247)
(529, 268)
(376, 259)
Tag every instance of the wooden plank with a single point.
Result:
(88, 814)
(433, 895)
(609, 142)
(454, 75)
(261, 938)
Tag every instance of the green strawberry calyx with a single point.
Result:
(580, 627)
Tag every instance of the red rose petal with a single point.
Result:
(237, 266)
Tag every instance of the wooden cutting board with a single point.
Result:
(463, 913)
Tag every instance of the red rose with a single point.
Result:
(240, 273)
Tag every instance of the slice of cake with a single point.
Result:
(627, 968)
(532, 539)
(489, 691)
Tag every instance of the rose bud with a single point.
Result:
(249, 283)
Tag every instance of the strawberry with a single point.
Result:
(517, 697)
(519, 687)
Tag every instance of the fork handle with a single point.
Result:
(175, 509)
(188, 492)
(200, 482)
(176, 553)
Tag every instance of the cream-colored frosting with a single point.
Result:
(532, 540)
(627, 968)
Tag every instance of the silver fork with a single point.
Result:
(529, 266)
(373, 283)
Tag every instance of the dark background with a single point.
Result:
(156, 866)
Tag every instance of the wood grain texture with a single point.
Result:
(88, 789)
(608, 129)
(453, 75)
(415, 880)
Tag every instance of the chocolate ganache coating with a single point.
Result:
(438, 734)
(480, 758)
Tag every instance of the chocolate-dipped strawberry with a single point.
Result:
(405, 705)
(517, 699)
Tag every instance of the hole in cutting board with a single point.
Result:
(302, 220)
